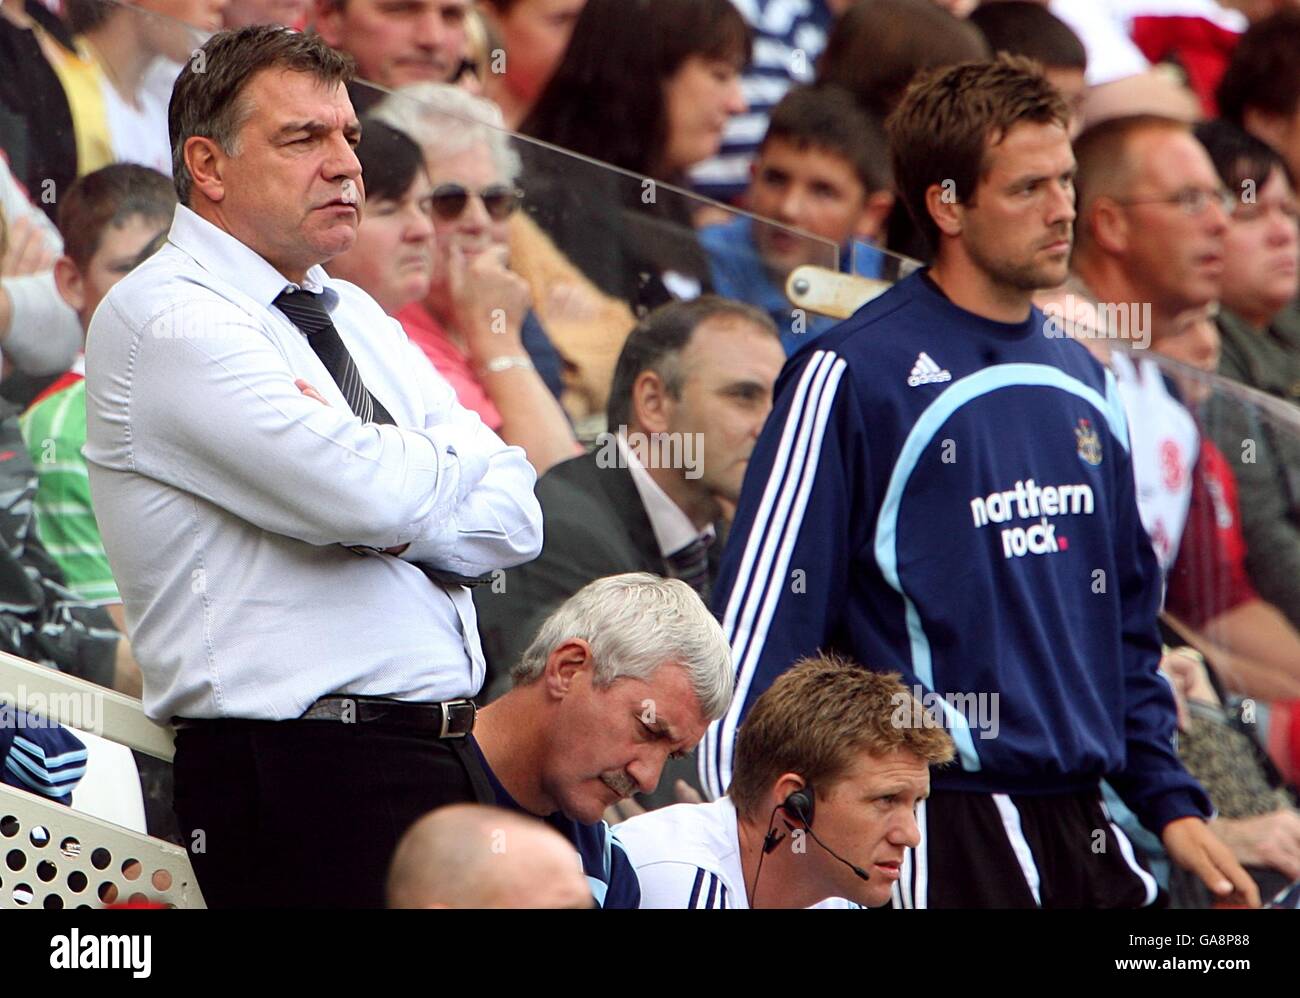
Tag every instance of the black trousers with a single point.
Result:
(1022, 851)
(307, 814)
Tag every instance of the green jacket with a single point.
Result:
(1268, 360)
(1264, 452)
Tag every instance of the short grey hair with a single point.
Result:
(636, 623)
(445, 120)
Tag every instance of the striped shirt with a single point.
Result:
(789, 35)
(38, 755)
(55, 431)
(918, 451)
(688, 856)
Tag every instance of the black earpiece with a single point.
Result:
(800, 805)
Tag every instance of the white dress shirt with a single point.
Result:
(672, 528)
(228, 500)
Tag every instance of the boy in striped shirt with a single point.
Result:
(106, 219)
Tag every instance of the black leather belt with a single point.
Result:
(448, 719)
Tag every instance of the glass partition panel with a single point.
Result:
(1233, 563)
(877, 262)
(599, 246)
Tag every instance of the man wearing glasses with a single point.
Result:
(1152, 217)
(295, 575)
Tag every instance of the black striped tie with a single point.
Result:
(307, 313)
(691, 565)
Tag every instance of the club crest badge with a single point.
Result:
(1088, 441)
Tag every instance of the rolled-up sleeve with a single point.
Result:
(498, 524)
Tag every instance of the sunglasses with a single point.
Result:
(449, 201)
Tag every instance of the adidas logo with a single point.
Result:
(926, 372)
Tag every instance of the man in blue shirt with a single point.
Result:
(627, 672)
(822, 167)
(944, 489)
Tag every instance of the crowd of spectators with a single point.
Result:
(584, 215)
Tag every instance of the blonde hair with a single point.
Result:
(819, 715)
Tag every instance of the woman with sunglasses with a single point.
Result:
(474, 318)
(586, 326)
(647, 86)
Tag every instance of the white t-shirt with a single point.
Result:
(688, 856)
(1165, 444)
(139, 131)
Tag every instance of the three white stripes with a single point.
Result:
(750, 608)
(767, 551)
(925, 365)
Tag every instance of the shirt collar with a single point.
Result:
(672, 528)
(220, 253)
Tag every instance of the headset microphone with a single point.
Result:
(800, 805)
(861, 873)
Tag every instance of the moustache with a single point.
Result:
(620, 783)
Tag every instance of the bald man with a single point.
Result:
(472, 856)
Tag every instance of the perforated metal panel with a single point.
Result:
(53, 857)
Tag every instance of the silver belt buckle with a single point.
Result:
(446, 719)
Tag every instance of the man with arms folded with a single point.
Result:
(628, 672)
(291, 572)
(946, 492)
(821, 756)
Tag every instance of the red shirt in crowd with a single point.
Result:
(1209, 576)
(424, 331)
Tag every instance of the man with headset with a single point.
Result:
(830, 767)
